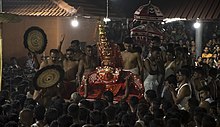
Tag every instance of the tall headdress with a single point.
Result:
(110, 55)
(109, 52)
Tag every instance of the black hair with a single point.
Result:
(171, 79)
(39, 112)
(124, 106)
(98, 105)
(128, 40)
(134, 100)
(184, 72)
(213, 72)
(128, 120)
(110, 112)
(173, 122)
(87, 104)
(65, 121)
(89, 46)
(73, 110)
(83, 114)
(208, 121)
(199, 70)
(151, 94)
(51, 115)
(205, 88)
(54, 51)
(155, 48)
(142, 110)
(156, 39)
(75, 42)
(69, 50)
(95, 117)
(109, 96)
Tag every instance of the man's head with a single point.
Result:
(199, 72)
(155, 41)
(171, 80)
(179, 52)
(182, 74)
(54, 54)
(75, 45)
(206, 49)
(89, 51)
(128, 43)
(204, 93)
(69, 53)
(170, 55)
(150, 95)
(155, 52)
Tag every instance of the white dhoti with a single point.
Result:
(151, 83)
(133, 70)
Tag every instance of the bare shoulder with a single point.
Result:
(136, 53)
(204, 104)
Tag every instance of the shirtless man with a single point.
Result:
(87, 64)
(54, 59)
(70, 64)
(78, 54)
(43, 96)
(131, 60)
(70, 67)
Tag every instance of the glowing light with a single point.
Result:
(196, 25)
(75, 23)
(106, 19)
(168, 20)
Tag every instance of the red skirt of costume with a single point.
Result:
(96, 87)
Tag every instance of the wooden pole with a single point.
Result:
(0, 56)
(1, 48)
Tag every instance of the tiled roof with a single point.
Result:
(189, 9)
(192, 9)
(34, 8)
(94, 7)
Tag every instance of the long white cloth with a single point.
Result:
(151, 83)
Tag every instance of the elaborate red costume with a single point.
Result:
(110, 76)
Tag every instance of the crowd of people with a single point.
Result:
(179, 89)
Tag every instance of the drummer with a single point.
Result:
(70, 62)
(54, 59)
(44, 96)
(70, 67)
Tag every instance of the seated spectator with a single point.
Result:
(206, 53)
